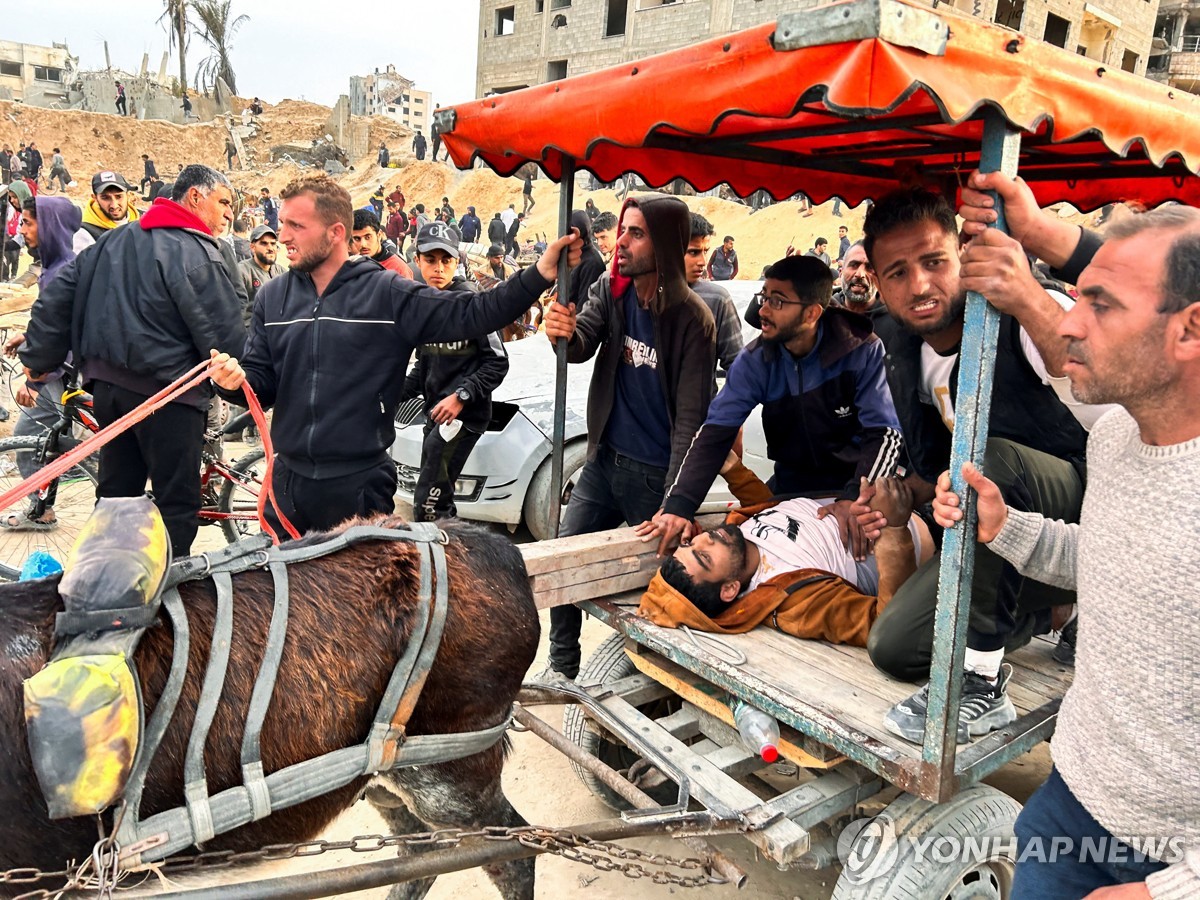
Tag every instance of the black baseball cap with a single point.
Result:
(260, 231)
(438, 236)
(102, 180)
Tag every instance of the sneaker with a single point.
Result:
(1065, 651)
(985, 707)
(550, 675)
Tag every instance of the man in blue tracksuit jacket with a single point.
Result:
(817, 371)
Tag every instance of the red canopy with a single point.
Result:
(850, 100)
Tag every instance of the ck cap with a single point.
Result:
(102, 180)
(438, 236)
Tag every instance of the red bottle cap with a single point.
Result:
(769, 753)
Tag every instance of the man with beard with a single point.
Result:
(261, 266)
(789, 565)
(329, 346)
(1133, 339)
(817, 372)
(109, 208)
(859, 291)
(653, 342)
(1035, 449)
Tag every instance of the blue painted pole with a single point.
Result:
(566, 199)
(972, 406)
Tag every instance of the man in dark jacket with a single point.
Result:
(367, 240)
(270, 208)
(48, 225)
(470, 226)
(149, 173)
(33, 161)
(817, 372)
(513, 244)
(456, 378)
(1037, 437)
(139, 310)
(419, 145)
(720, 304)
(497, 232)
(261, 267)
(591, 266)
(329, 347)
(651, 384)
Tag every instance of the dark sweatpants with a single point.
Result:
(611, 489)
(165, 448)
(1002, 601)
(318, 505)
(442, 462)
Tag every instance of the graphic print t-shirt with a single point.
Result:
(638, 425)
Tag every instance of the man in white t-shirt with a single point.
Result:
(731, 561)
(1037, 436)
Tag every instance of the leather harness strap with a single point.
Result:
(386, 747)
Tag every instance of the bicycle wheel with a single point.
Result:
(238, 503)
(74, 494)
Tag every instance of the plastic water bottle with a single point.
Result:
(759, 731)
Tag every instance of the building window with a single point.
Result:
(539, 6)
(556, 70)
(560, 4)
(617, 13)
(506, 20)
(8, 67)
(1009, 13)
(651, 4)
(47, 73)
(418, 99)
(1057, 29)
(1129, 61)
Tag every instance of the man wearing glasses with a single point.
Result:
(817, 372)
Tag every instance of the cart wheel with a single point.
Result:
(967, 846)
(608, 664)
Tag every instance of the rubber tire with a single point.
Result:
(225, 502)
(607, 664)
(976, 811)
(59, 541)
(537, 498)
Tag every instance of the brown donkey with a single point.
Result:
(351, 615)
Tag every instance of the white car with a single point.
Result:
(506, 478)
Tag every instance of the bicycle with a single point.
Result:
(228, 488)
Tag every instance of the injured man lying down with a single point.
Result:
(778, 563)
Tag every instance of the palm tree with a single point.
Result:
(218, 32)
(175, 15)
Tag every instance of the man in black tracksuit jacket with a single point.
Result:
(450, 375)
(329, 346)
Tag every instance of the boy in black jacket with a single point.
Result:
(456, 378)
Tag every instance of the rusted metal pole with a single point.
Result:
(717, 861)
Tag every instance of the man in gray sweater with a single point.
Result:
(1127, 746)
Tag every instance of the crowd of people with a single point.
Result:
(853, 372)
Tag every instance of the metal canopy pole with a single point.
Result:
(566, 199)
(972, 406)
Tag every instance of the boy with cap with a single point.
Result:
(456, 379)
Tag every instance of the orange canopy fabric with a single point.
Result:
(852, 119)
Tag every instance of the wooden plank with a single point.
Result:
(592, 590)
(793, 745)
(597, 572)
(583, 549)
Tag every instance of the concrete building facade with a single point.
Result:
(388, 93)
(1175, 55)
(527, 42)
(41, 76)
